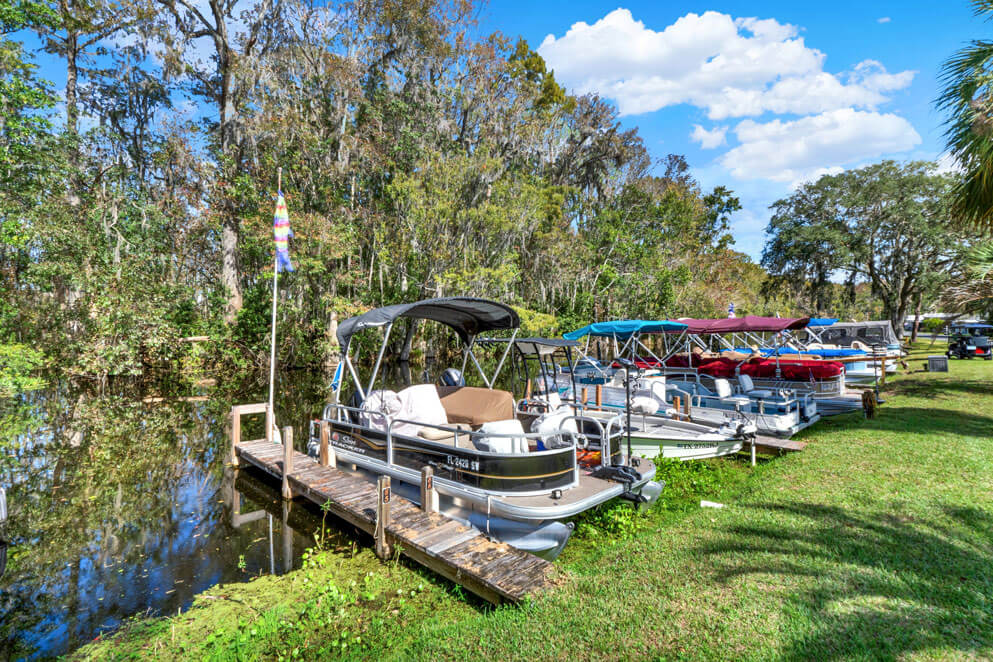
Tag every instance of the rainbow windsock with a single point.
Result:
(282, 232)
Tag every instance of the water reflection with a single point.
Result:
(119, 508)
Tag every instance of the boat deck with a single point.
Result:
(495, 571)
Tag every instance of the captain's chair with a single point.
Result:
(726, 395)
(748, 388)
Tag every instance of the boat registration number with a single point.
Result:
(462, 463)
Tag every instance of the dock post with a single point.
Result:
(753, 451)
(429, 497)
(686, 405)
(235, 434)
(586, 396)
(287, 461)
(382, 517)
(677, 404)
(268, 424)
(599, 396)
(327, 456)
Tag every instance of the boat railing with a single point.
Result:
(340, 413)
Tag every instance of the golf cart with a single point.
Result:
(966, 341)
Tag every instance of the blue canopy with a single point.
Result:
(624, 328)
(821, 321)
(974, 325)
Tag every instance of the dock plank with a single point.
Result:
(776, 446)
(495, 571)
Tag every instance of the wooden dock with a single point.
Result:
(776, 446)
(492, 570)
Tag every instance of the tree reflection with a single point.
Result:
(118, 508)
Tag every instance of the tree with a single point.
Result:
(886, 225)
(239, 38)
(968, 99)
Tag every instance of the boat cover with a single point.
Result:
(742, 324)
(822, 321)
(625, 328)
(844, 333)
(466, 315)
(531, 346)
(789, 369)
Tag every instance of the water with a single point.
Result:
(120, 508)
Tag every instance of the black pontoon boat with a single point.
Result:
(516, 483)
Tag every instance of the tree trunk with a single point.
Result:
(230, 275)
(72, 78)
(408, 340)
(917, 319)
(229, 268)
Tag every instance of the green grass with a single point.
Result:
(874, 543)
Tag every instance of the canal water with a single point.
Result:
(119, 507)
(121, 504)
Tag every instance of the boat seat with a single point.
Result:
(494, 437)
(447, 436)
(724, 393)
(749, 388)
(475, 406)
(643, 404)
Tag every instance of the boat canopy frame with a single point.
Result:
(467, 316)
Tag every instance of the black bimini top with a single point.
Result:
(466, 315)
(532, 346)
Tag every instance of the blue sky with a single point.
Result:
(809, 88)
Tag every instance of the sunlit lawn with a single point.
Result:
(875, 542)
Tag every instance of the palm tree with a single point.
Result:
(968, 98)
(976, 285)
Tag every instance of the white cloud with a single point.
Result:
(709, 139)
(730, 67)
(799, 150)
(883, 19)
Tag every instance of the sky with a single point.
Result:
(759, 96)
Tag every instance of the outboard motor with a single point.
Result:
(452, 377)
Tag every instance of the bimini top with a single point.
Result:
(842, 332)
(746, 323)
(822, 321)
(625, 328)
(532, 346)
(971, 325)
(466, 315)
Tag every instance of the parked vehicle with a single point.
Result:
(966, 341)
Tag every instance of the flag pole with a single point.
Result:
(275, 281)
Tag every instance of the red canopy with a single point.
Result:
(746, 323)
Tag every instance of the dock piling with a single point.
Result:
(235, 434)
(382, 516)
(327, 456)
(429, 497)
(287, 461)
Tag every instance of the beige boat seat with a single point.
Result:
(475, 406)
(447, 436)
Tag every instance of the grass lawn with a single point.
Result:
(876, 542)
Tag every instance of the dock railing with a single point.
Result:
(237, 411)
